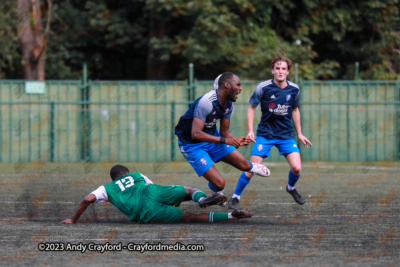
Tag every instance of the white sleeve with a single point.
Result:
(255, 99)
(101, 194)
(147, 180)
(203, 109)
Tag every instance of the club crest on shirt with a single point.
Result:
(260, 147)
(287, 97)
(203, 161)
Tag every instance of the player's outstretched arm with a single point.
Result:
(297, 126)
(225, 132)
(198, 133)
(230, 139)
(81, 208)
(250, 121)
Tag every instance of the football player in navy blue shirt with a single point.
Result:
(202, 144)
(279, 101)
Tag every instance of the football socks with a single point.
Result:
(292, 180)
(198, 195)
(217, 217)
(212, 187)
(241, 184)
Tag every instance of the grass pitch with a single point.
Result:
(351, 217)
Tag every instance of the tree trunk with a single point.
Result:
(32, 39)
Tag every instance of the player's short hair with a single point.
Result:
(281, 57)
(225, 77)
(118, 171)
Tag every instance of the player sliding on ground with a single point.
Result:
(142, 201)
(202, 144)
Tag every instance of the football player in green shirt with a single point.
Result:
(142, 201)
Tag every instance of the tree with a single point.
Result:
(343, 32)
(32, 38)
(156, 39)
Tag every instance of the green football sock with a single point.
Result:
(197, 195)
(217, 217)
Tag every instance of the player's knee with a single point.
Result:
(296, 169)
(245, 166)
(219, 184)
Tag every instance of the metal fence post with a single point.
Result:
(191, 80)
(52, 132)
(357, 65)
(84, 122)
(397, 133)
(173, 156)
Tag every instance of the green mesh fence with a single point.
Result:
(135, 120)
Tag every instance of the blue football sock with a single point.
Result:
(251, 163)
(241, 184)
(292, 178)
(212, 187)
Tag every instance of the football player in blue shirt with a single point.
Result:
(279, 99)
(202, 144)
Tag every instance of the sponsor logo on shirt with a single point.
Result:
(210, 123)
(280, 110)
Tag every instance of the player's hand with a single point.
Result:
(233, 142)
(244, 141)
(305, 141)
(68, 221)
(251, 136)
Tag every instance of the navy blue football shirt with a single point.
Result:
(208, 109)
(276, 107)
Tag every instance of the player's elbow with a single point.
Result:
(89, 199)
(196, 135)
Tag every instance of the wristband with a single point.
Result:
(222, 140)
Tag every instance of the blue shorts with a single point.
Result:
(262, 146)
(202, 155)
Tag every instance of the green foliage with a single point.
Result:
(157, 39)
(10, 59)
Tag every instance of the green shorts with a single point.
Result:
(157, 203)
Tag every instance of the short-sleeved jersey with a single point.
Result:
(276, 106)
(124, 193)
(208, 109)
